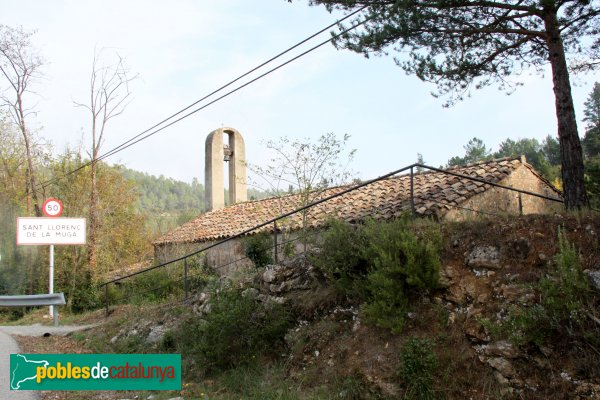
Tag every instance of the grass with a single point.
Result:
(40, 316)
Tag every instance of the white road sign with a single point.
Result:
(40, 231)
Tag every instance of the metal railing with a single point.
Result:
(410, 207)
(34, 300)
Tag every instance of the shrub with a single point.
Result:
(382, 263)
(258, 249)
(155, 286)
(341, 257)
(562, 312)
(402, 265)
(238, 329)
(418, 365)
(355, 387)
(84, 295)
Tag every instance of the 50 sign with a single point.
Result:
(52, 207)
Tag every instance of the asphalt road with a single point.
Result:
(7, 346)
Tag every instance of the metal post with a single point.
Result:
(275, 255)
(412, 192)
(520, 204)
(51, 278)
(55, 315)
(185, 277)
(106, 298)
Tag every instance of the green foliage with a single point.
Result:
(592, 181)
(419, 364)
(402, 265)
(153, 286)
(591, 141)
(258, 249)
(354, 387)
(382, 263)
(475, 151)
(84, 295)
(544, 157)
(237, 330)
(341, 257)
(122, 232)
(160, 284)
(591, 146)
(166, 195)
(563, 310)
(460, 45)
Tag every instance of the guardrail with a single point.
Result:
(36, 300)
(410, 207)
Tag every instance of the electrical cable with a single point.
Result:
(135, 139)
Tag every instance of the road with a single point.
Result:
(9, 346)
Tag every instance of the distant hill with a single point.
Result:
(168, 202)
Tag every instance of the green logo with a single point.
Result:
(95, 371)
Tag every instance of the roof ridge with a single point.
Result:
(492, 160)
(433, 195)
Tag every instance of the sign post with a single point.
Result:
(51, 230)
(52, 208)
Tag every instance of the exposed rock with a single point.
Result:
(200, 303)
(586, 390)
(276, 299)
(156, 334)
(502, 365)
(468, 289)
(502, 348)
(594, 278)
(515, 293)
(292, 275)
(269, 275)
(484, 257)
(500, 378)
(250, 293)
(476, 333)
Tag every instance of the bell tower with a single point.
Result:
(216, 153)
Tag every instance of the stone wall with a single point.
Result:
(225, 256)
(226, 259)
(501, 201)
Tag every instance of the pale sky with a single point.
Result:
(184, 49)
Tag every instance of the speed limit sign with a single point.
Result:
(52, 207)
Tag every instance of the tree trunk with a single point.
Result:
(94, 221)
(571, 154)
(30, 172)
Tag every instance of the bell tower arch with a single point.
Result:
(234, 154)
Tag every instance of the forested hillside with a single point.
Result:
(165, 195)
(167, 202)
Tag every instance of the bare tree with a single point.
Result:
(109, 96)
(306, 168)
(19, 66)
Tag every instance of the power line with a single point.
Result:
(149, 132)
(230, 92)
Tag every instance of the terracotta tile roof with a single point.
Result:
(435, 194)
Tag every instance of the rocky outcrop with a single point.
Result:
(594, 278)
(292, 275)
(484, 257)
